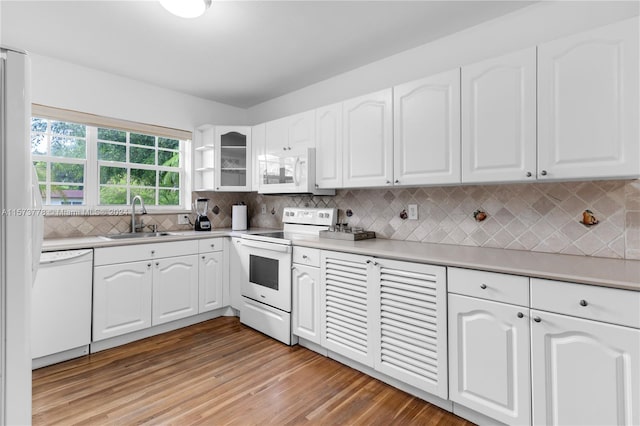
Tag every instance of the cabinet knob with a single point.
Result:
(157, 263)
(148, 265)
(202, 257)
(213, 246)
(304, 256)
(537, 319)
(153, 252)
(528, 174)
(520, 315)
(388, 182)
(284, 148)
(483, 286)
(543, 173)
(397, 181)
(583, 302)
(317, 186)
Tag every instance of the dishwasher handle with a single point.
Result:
(69, 256)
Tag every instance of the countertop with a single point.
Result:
(615, 273)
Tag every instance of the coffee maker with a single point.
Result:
(202, 221)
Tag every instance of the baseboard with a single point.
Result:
(113, 342)
(433, 399)
(474, 416)
(59, 357)
(312, 346)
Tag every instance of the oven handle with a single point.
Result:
(280, 248)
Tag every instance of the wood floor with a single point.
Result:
(216, 373)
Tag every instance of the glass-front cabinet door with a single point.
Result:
(233, 158)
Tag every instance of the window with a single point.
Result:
(60, 157)
(107, 165)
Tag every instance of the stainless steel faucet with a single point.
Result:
(134, 226)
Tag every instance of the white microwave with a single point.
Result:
(290, 172)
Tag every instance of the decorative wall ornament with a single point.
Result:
(479, 215)
(588, 219)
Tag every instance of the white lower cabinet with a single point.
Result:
(121, 298)
(586, 370)
(411, 323)
(489, 358)
(568, 355)
(238, 271)
(386, 314)
(175, 288)
(347, 306)
(305, 283)
(211, 274)
(139, 286)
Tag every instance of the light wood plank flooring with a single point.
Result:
(219, 372)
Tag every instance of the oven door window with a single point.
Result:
(263, 271)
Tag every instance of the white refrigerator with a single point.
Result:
(20, 235)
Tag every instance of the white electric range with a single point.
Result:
(266, 291)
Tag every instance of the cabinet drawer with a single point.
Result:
(306, 256)
(586, 301)
(489, 285)
(210, 244)
(135, 252)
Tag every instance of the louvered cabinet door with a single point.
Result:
(347, 306)
(413, 324)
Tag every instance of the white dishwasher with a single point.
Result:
(61, 307)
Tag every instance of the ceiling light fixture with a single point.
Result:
(186, 8)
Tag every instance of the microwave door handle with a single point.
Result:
(296, 171)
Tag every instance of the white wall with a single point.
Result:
(524, 28)
(66, 85)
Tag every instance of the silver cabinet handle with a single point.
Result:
(543, 173)
(583, 302)
(372, 262)
(520, 315)
(483, 286)
(537, 319)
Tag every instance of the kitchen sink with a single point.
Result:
(138, 235)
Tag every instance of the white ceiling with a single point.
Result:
(239, 53)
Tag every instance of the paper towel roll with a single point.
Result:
(239, 218)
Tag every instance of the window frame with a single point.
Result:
(92, 163)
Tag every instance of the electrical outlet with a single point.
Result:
(413, 211)
(183, 219)
(263, 209)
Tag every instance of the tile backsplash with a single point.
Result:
(536, 217)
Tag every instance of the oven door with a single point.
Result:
(269, 273)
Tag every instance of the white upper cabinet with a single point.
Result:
(499, 118)
(302, 128)
(222, 158)
(233, 158)
(426, 143)
(367, 140)
(588, 104)
(257, 153)
(295, 132)
(203, 158)
(329, 146)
